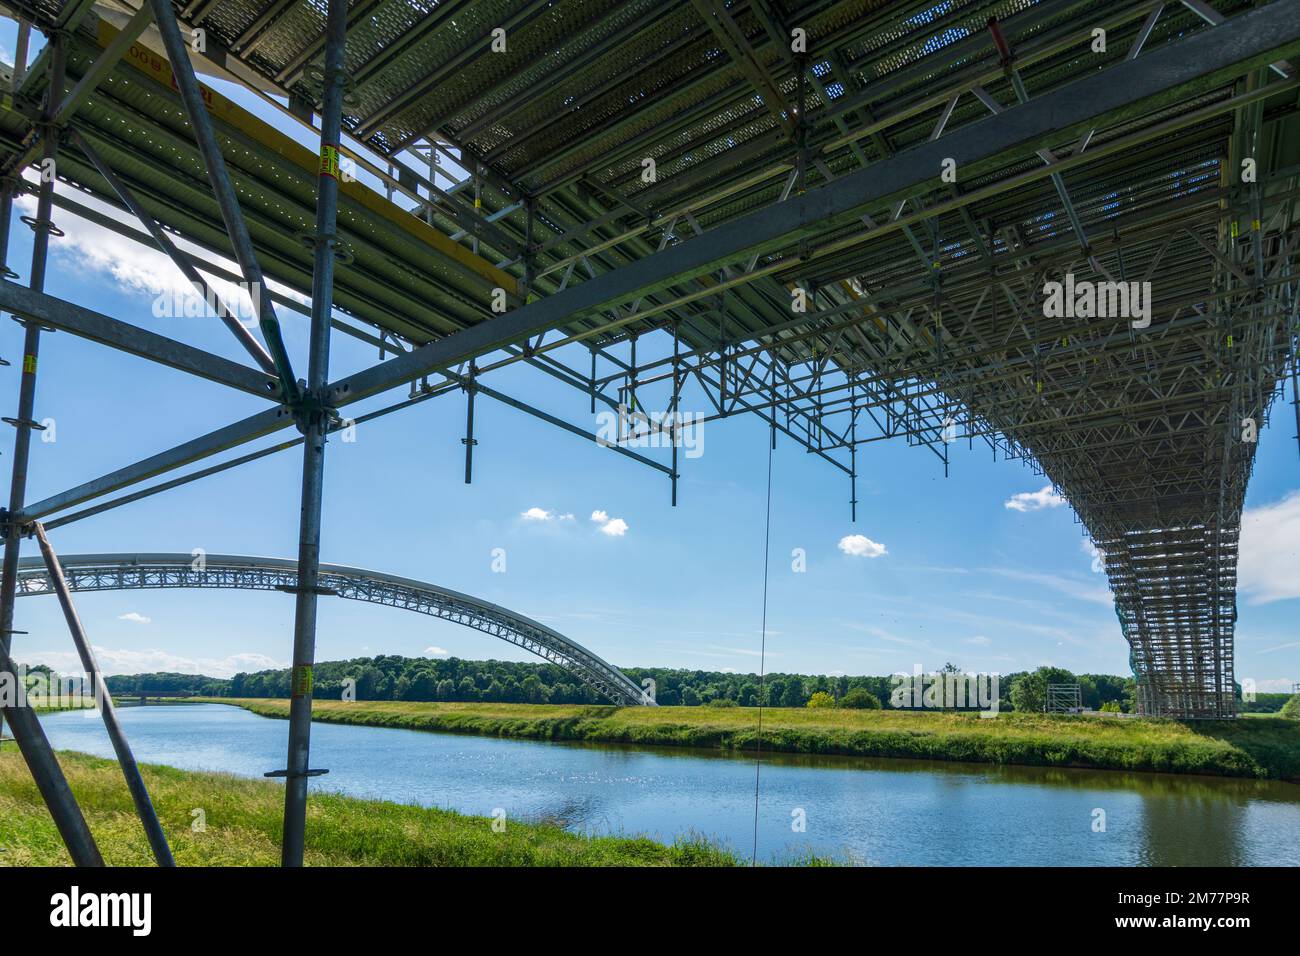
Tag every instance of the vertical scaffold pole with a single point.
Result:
(27, 728)
(134, 782)
(315, 425)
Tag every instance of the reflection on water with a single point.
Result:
(885, 812)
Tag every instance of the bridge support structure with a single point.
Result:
(905, 339)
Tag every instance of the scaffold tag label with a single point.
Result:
(329, 161)
(302, 680)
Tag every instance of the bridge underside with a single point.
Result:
(843, 217)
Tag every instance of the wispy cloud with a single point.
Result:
(122, 661)
(1080, 590)
(135, 617)
(542, 515)
(1269, 551)
(433, 650)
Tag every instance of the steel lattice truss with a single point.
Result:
(117, 572)
(780, 172)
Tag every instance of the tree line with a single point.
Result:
(393, 677)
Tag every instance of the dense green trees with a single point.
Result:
(391, 677)
(1292, 708)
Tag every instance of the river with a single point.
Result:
(878, 812)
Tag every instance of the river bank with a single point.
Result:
(1265, 748)
(238, 823)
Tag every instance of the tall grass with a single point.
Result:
(242, 827)
(1262, 747)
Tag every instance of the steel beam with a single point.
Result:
(1201, 60)
(314, 422)
(24, 421)
(163, 241)
(27, 730)
(104, 701)
(43, 309)
(1195, 62)
(103, 65)
(228, 201)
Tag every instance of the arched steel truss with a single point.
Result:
(117, 572)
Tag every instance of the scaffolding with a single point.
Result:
(1064, 699)
(841, 217)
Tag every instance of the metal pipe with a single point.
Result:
(246, 339)
(470, 388)
(31, 347)
(134, 782)
(45, 770)
(224, 191)
(315, 424)
(27, 730)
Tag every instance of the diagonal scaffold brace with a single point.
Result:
(224, 191)
(104, 703)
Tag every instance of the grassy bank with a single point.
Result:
(243, 825)
(1264, 747)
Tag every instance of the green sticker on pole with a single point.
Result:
(302, 680)
(329, 161)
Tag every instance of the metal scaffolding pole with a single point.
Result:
(246, 339)
(45, 770)
(314, 419)
(134, 782)
(227, 199)
(27, 730)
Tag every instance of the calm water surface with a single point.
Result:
(883, 812)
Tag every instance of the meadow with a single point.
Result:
(221, 820)
(1263, 747)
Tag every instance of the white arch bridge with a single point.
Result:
(117, 572)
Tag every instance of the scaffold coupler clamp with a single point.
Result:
(312, 408)
(9, 527)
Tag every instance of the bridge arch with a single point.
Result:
(116, 572)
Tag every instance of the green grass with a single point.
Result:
(243, 827)
(1266, 747)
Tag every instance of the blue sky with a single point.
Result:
(963, 577)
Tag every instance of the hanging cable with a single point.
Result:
(762, 654)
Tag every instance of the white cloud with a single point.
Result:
(1034, 500)
(121, 661)
(979, 640)
(860, 546)
(135, 616)
(614, 527)
(542, 515)
(433, 650)
(1269, 551)
(133, 267)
